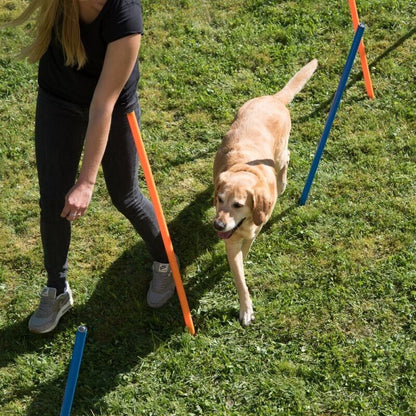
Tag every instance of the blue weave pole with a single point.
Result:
(74, 370)
(333, 110)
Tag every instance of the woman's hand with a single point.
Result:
(77, 200)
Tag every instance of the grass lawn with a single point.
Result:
(333, 282)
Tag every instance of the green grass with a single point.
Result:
(333, 283)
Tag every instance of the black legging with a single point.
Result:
(59, 136)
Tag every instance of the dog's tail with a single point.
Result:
(296, 83)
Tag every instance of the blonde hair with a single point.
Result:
(61, 19)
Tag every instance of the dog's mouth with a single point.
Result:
(228, 234)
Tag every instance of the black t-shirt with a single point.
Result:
(117, 19)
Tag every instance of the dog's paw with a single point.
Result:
(246, 316)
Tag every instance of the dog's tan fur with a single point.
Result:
(250, 172)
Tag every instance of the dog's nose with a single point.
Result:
(219, 225)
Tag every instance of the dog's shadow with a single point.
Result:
(193, 235)
(122, 329)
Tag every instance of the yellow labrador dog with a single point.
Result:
(250, 171)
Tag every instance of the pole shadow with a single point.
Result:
(325, 105)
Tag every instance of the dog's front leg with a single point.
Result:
(236, 261)
(245, 248)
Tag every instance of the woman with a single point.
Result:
(88, 74)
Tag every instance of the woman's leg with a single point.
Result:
(59, 135)
(120, 164)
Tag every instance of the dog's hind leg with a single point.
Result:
(236, 261)
(281, 170)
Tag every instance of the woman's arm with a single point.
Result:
(119, 61)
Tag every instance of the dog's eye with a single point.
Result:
(220, 200)
(237, 205)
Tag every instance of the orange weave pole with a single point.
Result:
(361, 51)
(144, 161)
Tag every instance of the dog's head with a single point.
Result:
(241, 197)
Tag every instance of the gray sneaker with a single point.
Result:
(162, 286)
(50, 310)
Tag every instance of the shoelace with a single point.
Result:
(161, 283)
(45, 305)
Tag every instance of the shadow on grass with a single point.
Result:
(122, 330)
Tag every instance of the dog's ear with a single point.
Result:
(214, 200)
(262, 205)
